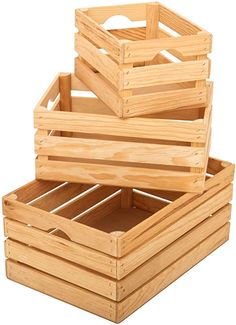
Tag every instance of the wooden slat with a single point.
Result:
(168, 232)
(61, 290)
(141, 233)
(120, 176)
(165, 74)
(146, 50)
(97, 34)
(59, 196)
(171, 253)
(138, 105)
(43, 220)
(33, 190)
(89, 105)
(132, 34)
(148, 203)
(111, 125)
(100, 211)
(101, 62)
(176, 22)
(120, 151)
(152, 19)
(85, 201)
(171, 273)
(61, 247)
(60, 268)
(100, 87)
(166, 195)
(134, 12)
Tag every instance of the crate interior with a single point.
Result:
(110, 209)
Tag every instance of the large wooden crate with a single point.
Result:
(162, 65)
(106, 249)
(80, 140)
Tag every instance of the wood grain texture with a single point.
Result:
(120, 151)
(171, 273)
(43, 220)
(62, 269)
(170, 254)
(120, 176)
(61, 247)
(61, 290)
(165, 74)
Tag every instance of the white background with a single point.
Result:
(36, 43)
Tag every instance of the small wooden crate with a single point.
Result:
(80, 140)
(108, 250)
(142, 70)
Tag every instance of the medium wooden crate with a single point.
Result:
(108, 250)
(80, 140)
(142, 70)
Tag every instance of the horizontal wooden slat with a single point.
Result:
(132, 34)
(59, 196)
(99, 86)
(86, 201)
(60, 268)
(120, 151)
(165, 74)
(111, 125)
(43, 220)
(146, 50)
(61, 247)
(97, 34)
(171, 273)
(101, 62)
(120, 176)
(161, 101)
(61, 290)
(89, 105)
(181, 246)
(33, 190)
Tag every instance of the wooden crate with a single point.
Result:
(80, 140)
(106, 249)
(162, 65)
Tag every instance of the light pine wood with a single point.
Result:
(171, 253)
(106, 93)
(167, 234)
(172, 212)
(161, 101)
(141, 48)
(171, 273)
(111, 125)
(115, 311)
(120, 151)
(61, 247)
(102, 63)
(134, 12)
(165, 74)
(145, 50)
(61, 269)
(119, 175)
(61, 290)
(45, 221)
(97, 34)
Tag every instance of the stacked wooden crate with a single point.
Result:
(125, 199)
